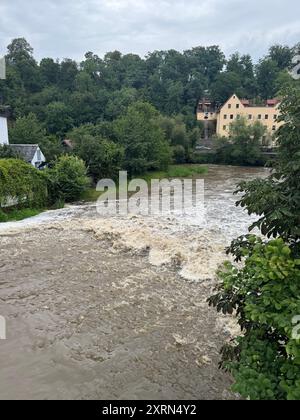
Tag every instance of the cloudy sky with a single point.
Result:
(69, 28)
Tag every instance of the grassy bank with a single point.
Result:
(18, 214)
(174, 171)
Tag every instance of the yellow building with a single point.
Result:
(218, 119)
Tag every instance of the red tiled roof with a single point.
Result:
(245, 102)
(272, 102)
(68, 143)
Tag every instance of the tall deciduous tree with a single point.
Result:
(143, 140)
(243, 145)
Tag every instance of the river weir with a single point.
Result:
(115, 307)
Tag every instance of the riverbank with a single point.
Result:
(173, 171)
(176, 171)
(16, 215)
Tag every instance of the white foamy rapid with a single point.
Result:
(196, 254)
(193, 244)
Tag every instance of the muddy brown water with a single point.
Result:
(115, 307)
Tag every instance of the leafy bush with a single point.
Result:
(7, 152)
(21, 184)
(179, 154)
(3, 216)
(103, 158)
(67, 179)
(265, 295)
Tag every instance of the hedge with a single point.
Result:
(21, 185)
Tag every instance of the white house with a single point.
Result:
(31, 153)
(3, 131)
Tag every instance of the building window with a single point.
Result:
(225, 117)
(274, 128)
(224, 127)
(275, 117)
(237, 106)
(259, 116)
(229, 106)
(231, 116)
(266, 117)
(249, 117)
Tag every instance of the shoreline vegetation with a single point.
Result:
(91, 195)
(17, 215)
(173, 171)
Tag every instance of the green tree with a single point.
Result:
(7, 152)
(20, 57)
(266, 73)
(67, 180)
(179, 154)
(102, 157)
(282, 55)
(175, 131)
(82, 108)
(84, 82)
(143, 140)
(243, 67)
(49, 70)
(135, 75)
(51, 147)
(27, 130)
(67, 74)
(225, 84)
(18, 50)
(208, 61)
(243, 146)
(38, 102)
(58, 119)
(119, 101)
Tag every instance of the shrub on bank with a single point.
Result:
(3, 216)
(265, 361)
(21, 185)
(67, 180)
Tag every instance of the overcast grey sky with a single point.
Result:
(69, 28)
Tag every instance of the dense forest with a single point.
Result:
(124, 110)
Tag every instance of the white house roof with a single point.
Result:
(26, 151)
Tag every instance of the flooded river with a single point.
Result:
(115, 307)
